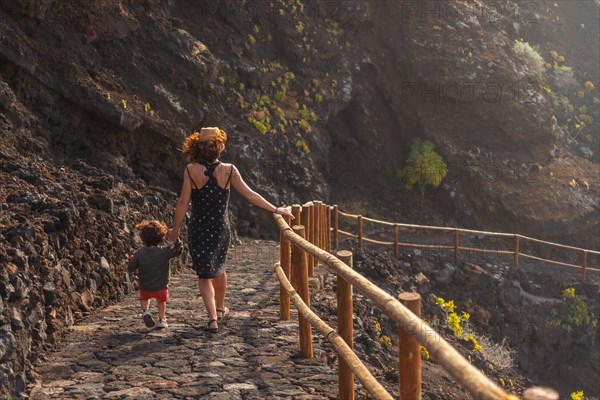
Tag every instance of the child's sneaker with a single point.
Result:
(148, 320)
(162, 323)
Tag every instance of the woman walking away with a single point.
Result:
(207, 181)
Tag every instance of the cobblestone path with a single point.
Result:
(111, 355)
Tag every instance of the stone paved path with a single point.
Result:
(111, 355)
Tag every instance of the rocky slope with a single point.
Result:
(66, 233)
(519, 317)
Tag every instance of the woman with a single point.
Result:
(207, 181)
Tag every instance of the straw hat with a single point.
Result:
(212, 133)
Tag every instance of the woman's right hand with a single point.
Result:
(285, 211)
(173, 235)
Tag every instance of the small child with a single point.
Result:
(152, 264)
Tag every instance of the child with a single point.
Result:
(152, 264)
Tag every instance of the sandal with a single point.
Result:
(224, 311)
(212, 330)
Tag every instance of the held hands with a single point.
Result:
(284, 211)
(173, 235)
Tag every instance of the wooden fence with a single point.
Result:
(307, 245)
(456, 247)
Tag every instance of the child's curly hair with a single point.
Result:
(152, 232)
(197, 151)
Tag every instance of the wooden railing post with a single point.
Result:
(328, 228)
(410, 352)
(323, 226)
(317, 223)
(359, 231)
(336, 221)
(345, 327)
(310, 235)
(584, 270)
(540, 393)
(396, 229)
(517, 251)
(456, 246)
(297, 211)
(300, 271)
(285, 263)
(305, 221)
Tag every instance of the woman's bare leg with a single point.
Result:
(220, 285)
(208, 297)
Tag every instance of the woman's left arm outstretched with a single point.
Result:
(243, 189)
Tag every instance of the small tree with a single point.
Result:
(423, 167)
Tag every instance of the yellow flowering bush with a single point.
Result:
(447, 306)
(376, 325)
(476, 346)
(385, 341)
(454, 324)
(577, 395)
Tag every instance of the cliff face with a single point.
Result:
(315, 97)
(320, 100)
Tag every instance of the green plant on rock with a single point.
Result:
(385, 341)
(578, 313)
(262, 128)
(334, 28)
(423, 167)
(301, 144)
(532, 58)
(564, 76)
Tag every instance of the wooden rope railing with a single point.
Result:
(517, 252)
(449, 358)
(342, 349)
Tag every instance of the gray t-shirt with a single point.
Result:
(152, 264)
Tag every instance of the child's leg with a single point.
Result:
(162, 309)
(145, 304)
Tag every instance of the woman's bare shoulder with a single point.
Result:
(228, 166)
(194, 166)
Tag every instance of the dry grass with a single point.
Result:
(499, 354)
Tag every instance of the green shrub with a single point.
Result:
(533, 59)
(564, 77)
(258, 125)
(301, 144)
(423, 167)
(578, 312)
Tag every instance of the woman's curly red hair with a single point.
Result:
(197, 151)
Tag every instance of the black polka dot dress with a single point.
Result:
(209, 234)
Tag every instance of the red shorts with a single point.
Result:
(159, 295)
